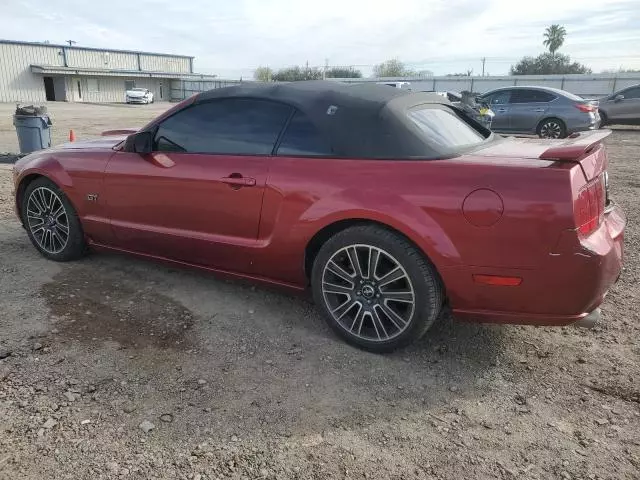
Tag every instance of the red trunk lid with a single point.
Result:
(584, 149)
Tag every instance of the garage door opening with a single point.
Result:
(49, 90)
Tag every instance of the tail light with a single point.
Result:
(588, 207)
(586, 107)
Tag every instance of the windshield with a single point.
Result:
(444, 128)
(139, 89)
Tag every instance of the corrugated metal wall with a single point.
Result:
(597, 85)
(155, 63)
(98, 59)
(181, 89)
(112, 89)
(17, 83)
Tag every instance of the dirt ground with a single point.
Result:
(118, 368)
(85, 120)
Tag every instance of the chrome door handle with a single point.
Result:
(239, 181)
(539, 110)
(501, 110)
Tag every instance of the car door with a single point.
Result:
(499, 103)
(624, 109)
(197, 197)
(527, 107)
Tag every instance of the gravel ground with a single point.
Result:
(118, 368)
(84, 119)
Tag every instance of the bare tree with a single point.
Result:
(263, 74)
(391, 68)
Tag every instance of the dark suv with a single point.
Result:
(546, 112)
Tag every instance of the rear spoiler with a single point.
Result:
(576, 146)
(119, 131)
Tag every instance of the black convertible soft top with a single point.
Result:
(359, 120)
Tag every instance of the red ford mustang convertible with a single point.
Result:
(390, 205)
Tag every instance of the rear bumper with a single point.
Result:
(595, 125)
(566, 288)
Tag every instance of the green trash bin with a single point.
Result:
(33, 127)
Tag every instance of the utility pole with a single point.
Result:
(71, 42)
(326, 67)
(484, 59)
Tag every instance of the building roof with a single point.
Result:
(360, 120)
(105, 72)
(74, 47)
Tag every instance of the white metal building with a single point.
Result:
(38, 72)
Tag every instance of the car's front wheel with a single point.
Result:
(376, 290)
(552, 128)
(51, 221)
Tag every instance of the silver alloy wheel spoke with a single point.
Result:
(377, 322)
(33, 200)
(392, 276)
(405, 296)
(47, 220)
(368, 292)
(355, 261)
(374, 257)
(358, 319)
(337, 289)
(551, 130)
(59, 212)
(343, 308)
(339, 271)
(391, 315)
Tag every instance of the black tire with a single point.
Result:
(422, 278)
(554, 124)
(75, 246)
(604, 121)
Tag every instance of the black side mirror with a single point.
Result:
(618, 97)
(142, 142)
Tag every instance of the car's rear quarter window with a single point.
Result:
(443, 127)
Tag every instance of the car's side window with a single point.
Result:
(500, 98)
(632, 93)
(531, 96)
(234, 126)
(302, 138)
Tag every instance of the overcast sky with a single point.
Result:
(232, 37)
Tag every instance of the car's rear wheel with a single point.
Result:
(552, 128)
(51, 221)
(376, 290)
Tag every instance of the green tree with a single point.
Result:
(548, 64)
(554, 37)
(468, 73)
(263, 74)
(296, 74)
(338, 72)
(392, 68)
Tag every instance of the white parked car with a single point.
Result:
(139, 95)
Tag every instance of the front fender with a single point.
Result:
(48, 167)
(41, 165)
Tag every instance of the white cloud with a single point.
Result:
(232, 38)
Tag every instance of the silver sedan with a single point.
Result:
(546, 112)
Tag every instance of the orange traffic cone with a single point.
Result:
(72, 136)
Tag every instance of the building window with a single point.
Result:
(129, 84)
(93, 85)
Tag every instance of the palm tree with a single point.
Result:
(554, 37)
